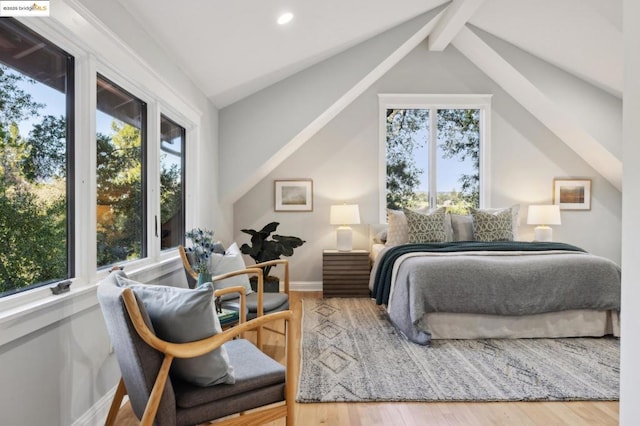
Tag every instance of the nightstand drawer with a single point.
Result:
(345, 273)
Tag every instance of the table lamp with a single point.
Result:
(344, 215)
(543, 216)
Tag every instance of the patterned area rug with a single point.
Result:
(350, 352)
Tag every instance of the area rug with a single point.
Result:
(351, 352)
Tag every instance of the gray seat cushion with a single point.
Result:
(259, 381)
(273, 302)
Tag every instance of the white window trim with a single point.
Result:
(96, 49)
(441, 101)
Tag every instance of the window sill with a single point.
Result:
(36, 309)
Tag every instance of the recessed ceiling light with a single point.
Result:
(285, 18)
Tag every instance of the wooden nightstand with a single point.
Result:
(345, 273)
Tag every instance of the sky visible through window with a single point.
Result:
(449, 169)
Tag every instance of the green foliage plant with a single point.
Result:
(202, 248)
(263, 248)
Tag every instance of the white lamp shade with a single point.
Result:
(544, 215)
(345, 214)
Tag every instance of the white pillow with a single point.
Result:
(398, 230)
(230, 261)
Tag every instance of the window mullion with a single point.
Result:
(153, 181)
(433, 151)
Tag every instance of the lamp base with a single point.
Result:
(344, 237)
(543, 233)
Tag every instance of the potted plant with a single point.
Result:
(263, 248)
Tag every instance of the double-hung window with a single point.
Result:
(36, 160)
(434, 150)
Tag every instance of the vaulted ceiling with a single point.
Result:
(232, 49)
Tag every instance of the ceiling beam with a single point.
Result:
(455, 17)
(530, 97)
(232, 190)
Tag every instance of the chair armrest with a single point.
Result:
(198, 347)
(275, 262)
(243, 298)
(247, 271)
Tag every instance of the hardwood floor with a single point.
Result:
(414, 414)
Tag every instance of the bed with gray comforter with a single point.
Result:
(501, 278)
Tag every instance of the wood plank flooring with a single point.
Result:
(421, 413)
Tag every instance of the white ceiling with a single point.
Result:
(231, 49)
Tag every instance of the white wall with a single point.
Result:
(279, 114)
(630, 342)
(342, 160)
(55, 354)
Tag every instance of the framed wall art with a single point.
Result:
(572, 194)
(293, 195)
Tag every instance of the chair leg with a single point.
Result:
(121, 391)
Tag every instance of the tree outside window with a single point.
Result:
(422, 174)
(36, 107)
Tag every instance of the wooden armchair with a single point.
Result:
(258, 303)
(261, 384)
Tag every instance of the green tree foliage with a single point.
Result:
(170, 191)
(459, 137)
(119, 189)
(403, 174)
(32, 201)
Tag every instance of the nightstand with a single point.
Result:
(345, 273)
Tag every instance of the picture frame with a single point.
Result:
(293, 195)
(572, 194)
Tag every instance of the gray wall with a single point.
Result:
(342, 160)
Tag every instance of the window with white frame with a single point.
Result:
(434, 148)
(48, 151)
(120, 168)
(36, 160)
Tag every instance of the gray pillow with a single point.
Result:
(462, 227)
(181, 315)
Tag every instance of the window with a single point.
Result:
(172, 142)
(446, 172)
(121, 183)
(36, 160)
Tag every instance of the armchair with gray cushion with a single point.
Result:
(158, 395)
(259, 302)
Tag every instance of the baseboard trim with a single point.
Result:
(97, 414)
(305, 286)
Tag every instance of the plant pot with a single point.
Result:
(271, 284)
(203, 277)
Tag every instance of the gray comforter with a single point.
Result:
(497, 283)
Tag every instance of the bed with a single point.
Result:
(494, 289)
